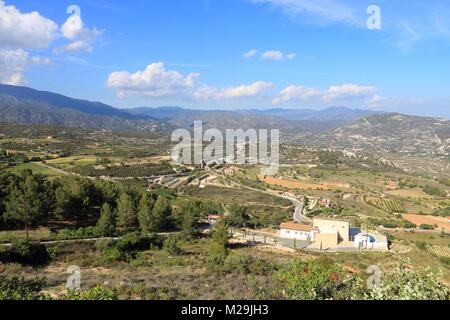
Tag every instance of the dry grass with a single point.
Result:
(409, 193)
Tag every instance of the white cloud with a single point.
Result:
(296, 93)
(82, 38)
(250, 54)
(25, 30)
(158, 83)
(343, 91)
(12, 66)
(155, 81)
(273, 55)
(242, 91)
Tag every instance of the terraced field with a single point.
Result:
(390, 206)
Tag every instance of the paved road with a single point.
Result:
(298, 205)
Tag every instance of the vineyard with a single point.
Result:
(440, 251)
(390, 206)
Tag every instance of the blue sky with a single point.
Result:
(232, 54)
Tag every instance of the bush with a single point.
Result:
(409, 225)
(81, 233)
(26, 253)
(310, 280)
(421, 245)
(126, 248)
(18, 288)
(426, 227)
(172, 246)
(248, 265)
(434, 191)
(92, 294)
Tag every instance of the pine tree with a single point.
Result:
(107, 220)
(26, 202)
(145, 214)
(126, 213)
(162, 212)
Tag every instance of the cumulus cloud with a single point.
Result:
(155, 81)
(293, 92)
(25, 30)
(158, 82)
(12, 66)
(22, 31)
(242, 91)
(82, 38)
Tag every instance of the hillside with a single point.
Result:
(28, 106)
(391, 133)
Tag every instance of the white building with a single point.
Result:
(292, 230)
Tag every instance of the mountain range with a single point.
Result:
(29, 106)
(335, 127)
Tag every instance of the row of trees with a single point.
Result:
(30, 200)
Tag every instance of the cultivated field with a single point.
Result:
(419, 220)
(295, 184)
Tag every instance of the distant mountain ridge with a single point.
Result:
(390, 132)
(29, 106)
(58, 101)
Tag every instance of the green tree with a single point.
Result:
(107, 221)
(162, 213)
(126, 213)
(27, 202)
(187, 216)
(73, 197)
(218, 249)
(238, 216)
(145, 213)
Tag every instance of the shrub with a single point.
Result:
(81, 233)
(26, 253)
(172, 245)
(92, 294)
(126, 248)
(421, 245)
(434, 191)
(249, 265)
(18, 288)
(426, 227)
